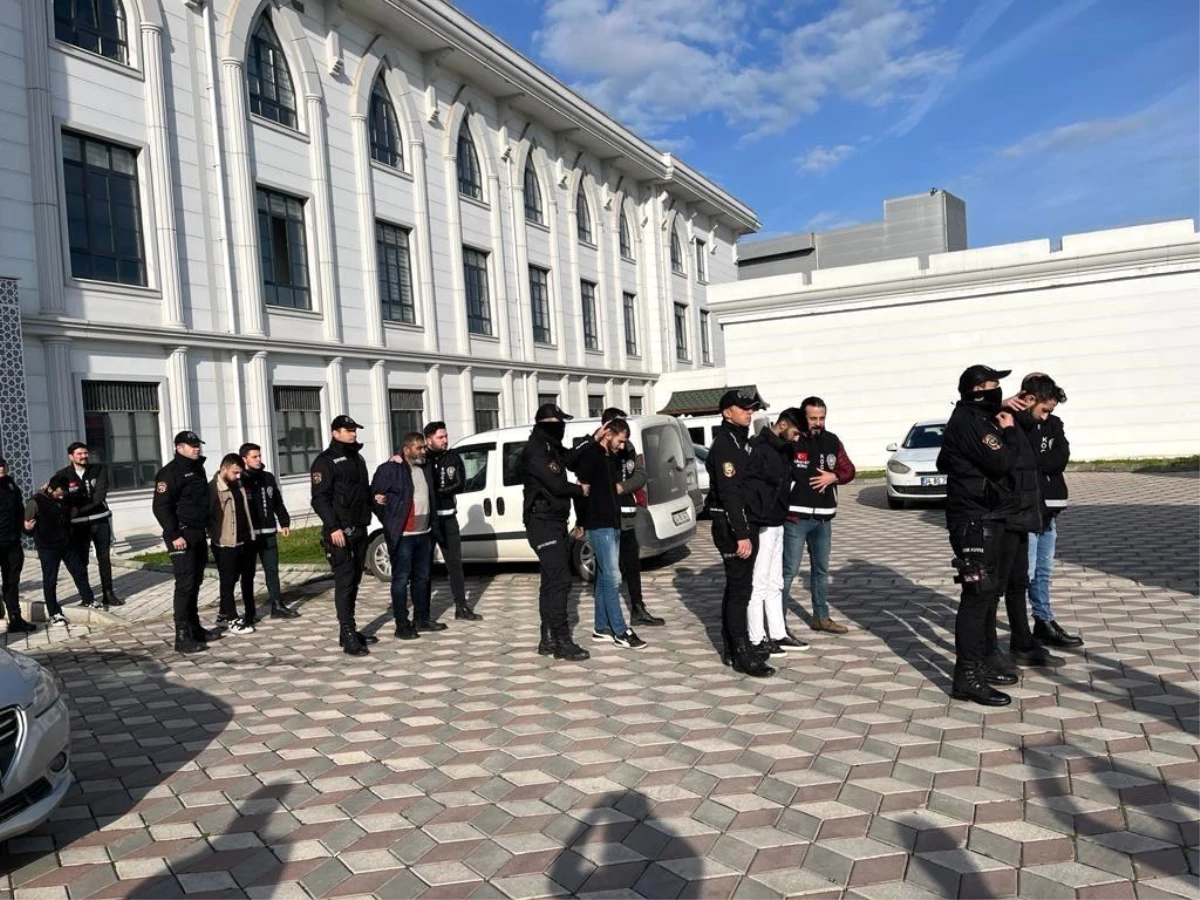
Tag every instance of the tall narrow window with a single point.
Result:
(385, 129)
(470, 180)
(591, 330)
(97, 26)
(533, 196)
(104, 215)
(407, 412)
(701, 262)
(635, 404)
(297, 428)
(543, 399)
(395, 274)
(283, 248)
(267, 75)
(479, 307)
(487, 411)
(705, 337)
(626, 241)
(120, 421)
(631, 331)
(676, 254)
(539, 298)
(595, 406)
(681, 341)
(583, 217)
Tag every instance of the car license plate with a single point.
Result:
(682, 517)
(933, 480)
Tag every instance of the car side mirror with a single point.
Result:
(892, 448)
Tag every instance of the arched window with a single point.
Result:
(676, 254)
(583, 217)
(470, 182)
(626, 240)
(533, 195)
(271, 94)
(385, 129)
(97, 26)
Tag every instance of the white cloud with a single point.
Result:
(656, 63)
(1075, 135)
(829, 220)
(820, 160)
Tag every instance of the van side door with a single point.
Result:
(475, 504)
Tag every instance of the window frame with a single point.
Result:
(484, 301)
(301, 230)
(122, 55)
(705, 337)
(407, 302)
(310, 421)
(277, 109)
(629, 311)
(394, 411)
(387, 148)
(476, 396)
(681, 336)
(470, 178)
(533, 198)
(637, 405)
(583, 218)
(678, 267)
(701, 262)
(590, 316)
(116, 467)
(543, 333)
(625, 237)
(596, 405)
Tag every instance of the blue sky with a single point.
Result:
(1047, 117)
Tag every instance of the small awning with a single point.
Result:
(705, 402)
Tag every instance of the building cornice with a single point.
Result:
(63, 328)
(528, 79)
(729, 303)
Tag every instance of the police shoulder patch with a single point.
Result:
(449, 471)
(553, 466)
(316, 477)
(160, 487)
(991, 442)
(728, 469)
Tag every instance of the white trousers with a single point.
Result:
(767, 594)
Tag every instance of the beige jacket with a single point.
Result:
(222, 523)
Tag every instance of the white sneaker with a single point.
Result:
(239, 626)
(59, 619)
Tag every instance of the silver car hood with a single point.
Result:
(16, 679)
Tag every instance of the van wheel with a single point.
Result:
(895, 502)
(583, 560)
(379, 563)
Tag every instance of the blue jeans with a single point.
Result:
(818, 535)
(412, 558)
(606, 592)
(1041, 566)
(52, 558)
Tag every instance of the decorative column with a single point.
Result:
(508, 400)
(161, 175)
(458, 292)
(244, 219)
(323, 220)
(366, 229)
(468, 400)
(423, 255)
(379, 432)
(61, 393)
(43, 160)
(335, 380)
(433, 385)
(259, 419)
(499, 267)
(179, 400)
(14, 402)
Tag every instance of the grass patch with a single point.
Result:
(870, 473)
(302, 546)
(1152, 464)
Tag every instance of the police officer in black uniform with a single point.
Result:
(181, 508)
(548, 496)
(446, 470)
(341, 497)
(735, 540)
(980, 450)
(91, 519)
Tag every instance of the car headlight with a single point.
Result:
(45, 693)
(898, 467)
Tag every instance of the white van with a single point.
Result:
(490, 507)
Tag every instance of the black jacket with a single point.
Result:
(768, 479)
(12, 511)
(813, 454)
(1024, 481)
(977, 456)
(599, 470)
(631, 475)
(87, 493)
(1054, 452)
(181, 496)
(548, 492)
(447, 477)
(52, 520)
(727, 460)
(341, 489)
(267, 512)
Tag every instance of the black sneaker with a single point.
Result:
(774, 648)
(279, 611)
(602, 634)
(406, 632)
(429, 625)
(111, 599)
(1036, 658)
(20, 626)
(629, 640)
(790, 642)
(465, 612)
(223, 619)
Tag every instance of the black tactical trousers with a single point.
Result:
(631, 566)
(99, 534)
(549, 542)
(739, 581)
(347, 563)
(189, 564)
(12, 560)
(449, 541)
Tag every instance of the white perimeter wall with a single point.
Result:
(1113, 316)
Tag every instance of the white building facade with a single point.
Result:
(244, 218)
(1113, 316)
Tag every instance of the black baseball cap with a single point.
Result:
(613, 412)
(977, 375)
(550, 411)
(188, 437)
(344, 422)
(742, 399)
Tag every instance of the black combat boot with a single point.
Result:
(1000, 664)
(747, 661)
(1037, 657)
(204, 635)
(185, 641)
(111, 598)
(17, 625)
(1051, 634)
(352, 644)
(566, 648)
(639, 615)
(970, 683)
(279, 611)
(546, 644)
(462, 611)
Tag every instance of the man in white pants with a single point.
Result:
(767, 487)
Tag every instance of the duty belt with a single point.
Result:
(447, 512)
(79, 520)
(259, 531)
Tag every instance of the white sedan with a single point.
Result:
(912, 468)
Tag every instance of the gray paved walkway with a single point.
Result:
(465, 765)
